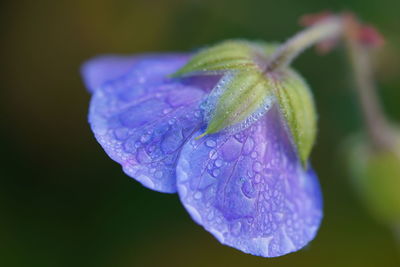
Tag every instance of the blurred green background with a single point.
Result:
(63, 202)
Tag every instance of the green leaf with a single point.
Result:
(298, 108)
(239, 96)
(228, 55)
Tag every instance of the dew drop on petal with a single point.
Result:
(145, 138)
(158, 174)
(247, 189)
(257, 166)
(197, 195)
(210, 143)
(218, 163)
(215, 173)
(213, 154)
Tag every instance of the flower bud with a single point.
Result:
(376, 176)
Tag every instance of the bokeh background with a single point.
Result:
(63, 202)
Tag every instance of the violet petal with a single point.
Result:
(143, 118)
(250, 189)
(101, 69)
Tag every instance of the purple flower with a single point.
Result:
(247, 187)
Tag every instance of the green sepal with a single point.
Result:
(228, 55)
(242, 94)
(250, 89)
(297, 106)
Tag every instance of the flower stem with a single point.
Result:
(377, 127)
(328, 29)
(332, 28)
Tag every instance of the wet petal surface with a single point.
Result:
(143, 118)
(250, 190)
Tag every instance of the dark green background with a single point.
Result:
(63, 202)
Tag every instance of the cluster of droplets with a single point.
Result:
(209, 105)
(242, 204)
(143, 123)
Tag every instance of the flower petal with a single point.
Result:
(250, 189)
(104, 68)
(143, 118)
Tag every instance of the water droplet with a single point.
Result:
(257, 166)
(248, 146)
(218, 163)
(143, 157)
(253, 155)
(248, 190)
(215, 173)
(210, 143)
(137, 144)
(158, 174)
(121, 133)
(172, 141)
(167, 110)
(145, 138)
(213, 154)
(197, 195)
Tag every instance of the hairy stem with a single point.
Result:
(330, 28)
(377, 127)
(348, 27)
